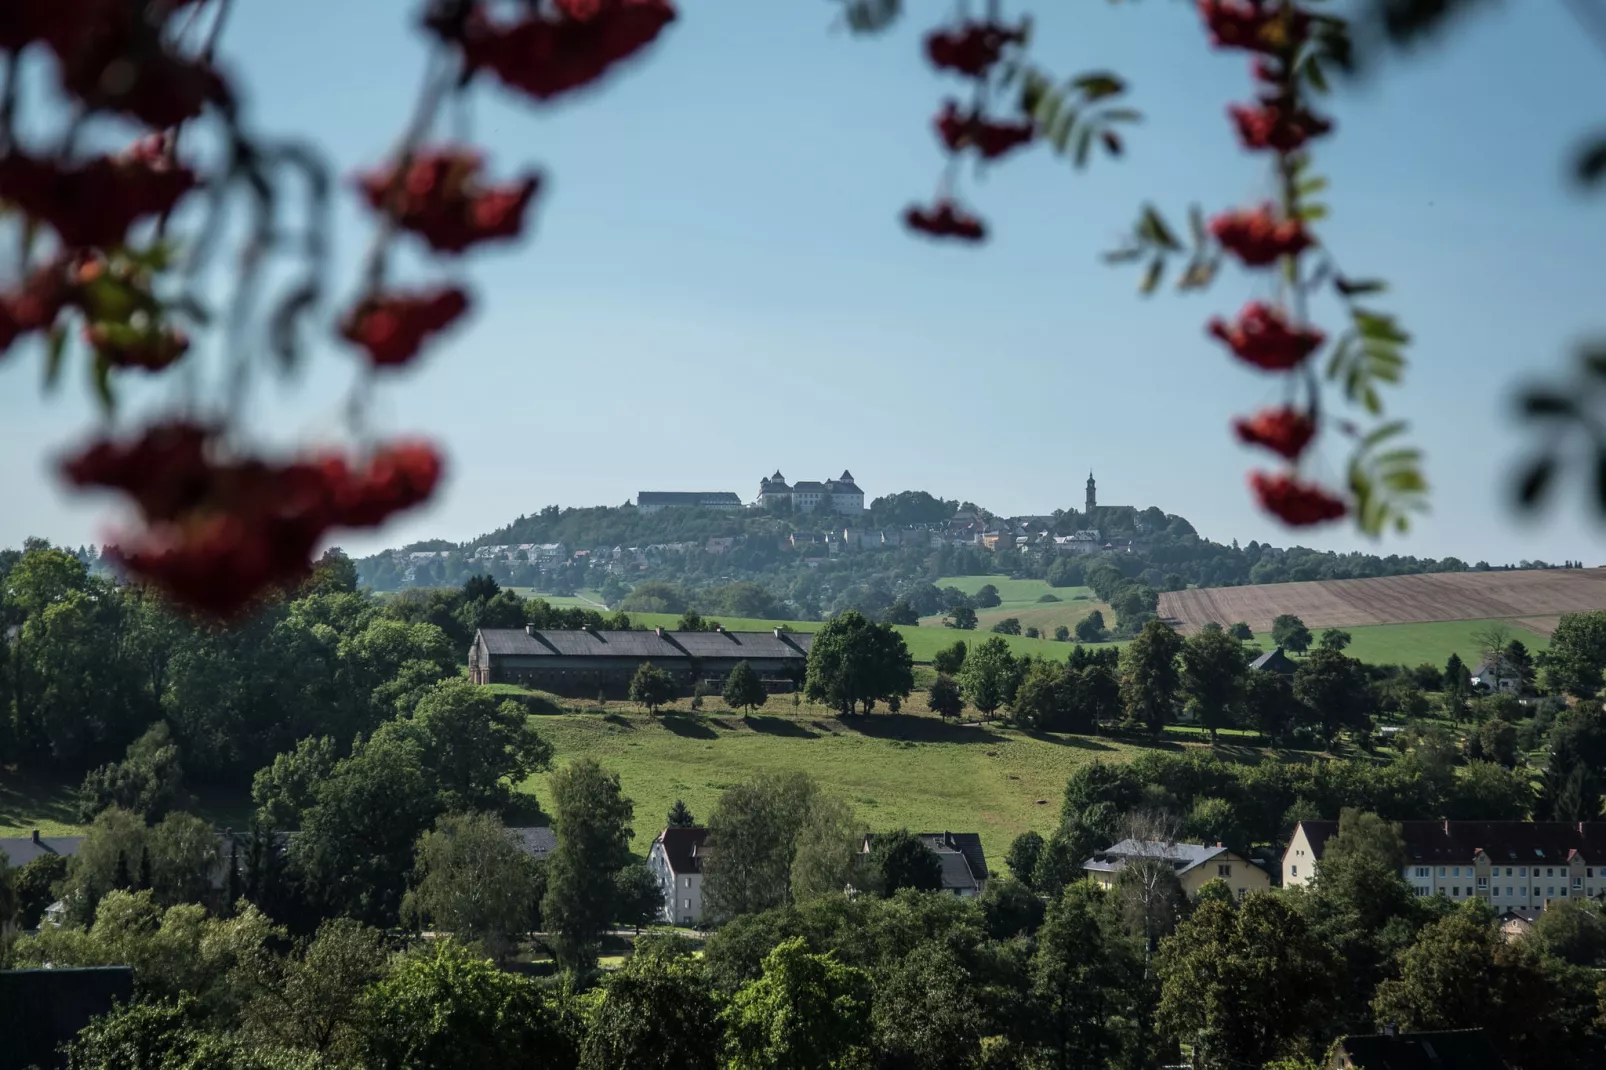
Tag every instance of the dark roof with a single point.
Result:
(964, 865)
(685, 849)
(1450, 1049)
(1182, 856)
(687, 497)
(537, 840)
(809, 485)
(671, 646)
(1274, 660)
(1505, 842)
(21, 850)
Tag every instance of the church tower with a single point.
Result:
(1092, 496)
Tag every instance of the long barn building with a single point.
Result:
(582, 664)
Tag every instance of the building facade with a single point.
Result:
(654, 501)
(841, 495)
(584, 663)
(1511, 865)
(1194, 864)
(676, 859)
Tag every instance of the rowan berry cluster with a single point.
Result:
(1263, 337)
(1284, 430)
(392, 327)
(218, 530)
(437, 194)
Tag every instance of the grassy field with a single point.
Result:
(1023, 600)
(903, 770)
(1413, 644)
(582, 599)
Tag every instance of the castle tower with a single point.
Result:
(1092, 495)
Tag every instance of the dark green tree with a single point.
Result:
(1024, 852)
(743, 689)
(1577, 654)
(950, 659)
(856, 662)
(473, 880)
(928, 1011)
(961, 617)
(1213, 672)
(901, 860)
(1150, 678)
(680, 817)
(651, 687)
(445, 1008)
(804, 1012)
(1333, 688)
(476, 750)
(945, 696)
(1090, 629)
(1085, 974)
(148, 781)
(658, 1011)
(990, 676)
(752, 838)
(986, 597)
(1335, 639)
(1290, 633)
(592, 819)
(1246, 985)
(1241, 631)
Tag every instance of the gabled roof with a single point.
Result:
(538, 841)
(1504, 842)
(964, 864)
(671, 646)
(1274, 660)
(1449, 1049)
(21, 850)
(1182, 856)
(685, 849)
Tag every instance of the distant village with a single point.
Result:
(829, 520)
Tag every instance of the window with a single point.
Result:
(1224, 871)
(1590, 872)
(1242, 892)
(1293, 871)
(1494, 893)
(688, 882)
(1441, 871)
(1550, 890)
(1550, 872)
(1421, 871)
(1578, 882)
(1456, 890)
(1536, 891)
(1483, 882)
(1564, 891)
(686, 903)
(1508, 871)
(1456, 872)
(1508, 892)
(1522, 871)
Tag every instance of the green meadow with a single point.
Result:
(1414, 644)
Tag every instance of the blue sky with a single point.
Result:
(717, 284)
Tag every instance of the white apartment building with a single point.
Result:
(1512, 865)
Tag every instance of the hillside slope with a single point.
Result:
(1532, 599)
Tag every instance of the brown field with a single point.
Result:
(1533, 600)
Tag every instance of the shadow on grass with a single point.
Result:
(1079, 742)
(910, 728)
(687, 727)
(28, 802)
(781, 726)
(524, 811)
(618, 720)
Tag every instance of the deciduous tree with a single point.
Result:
(1290, 633)
(805, 1012)
(1149, 676)
(743, 689)
(591, 816)
(651, 687)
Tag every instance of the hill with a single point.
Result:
(1527, 599)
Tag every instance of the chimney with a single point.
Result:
(777, 633)
(1388, 1029)
(1447, 827)
(660, 631)
(718, 627)
(529, 630)
(35, 835)
(1220, 844)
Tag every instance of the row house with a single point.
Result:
(1511, 865)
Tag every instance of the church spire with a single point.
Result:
(1092, 494)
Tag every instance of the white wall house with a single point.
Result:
(1511, 865)
(676, 859)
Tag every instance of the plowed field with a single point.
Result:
(1530, 599)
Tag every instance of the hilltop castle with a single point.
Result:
(840, 495)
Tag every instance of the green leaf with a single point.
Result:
(1311, 186)
(1196, 223)
(1313, 213)
(1394, 458)
(1382, 328)
(1121, 115)
(101, 377)
(1122, 256)
(1152, 276)
(55, 352)
(1371, 401)
(1535, 481)
(1084, 142)
(1358, 287)
(1098, 85)
(1405, 480)
(1312, 70)
(1060, 132)
(1153, 226)
(1381, 434)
